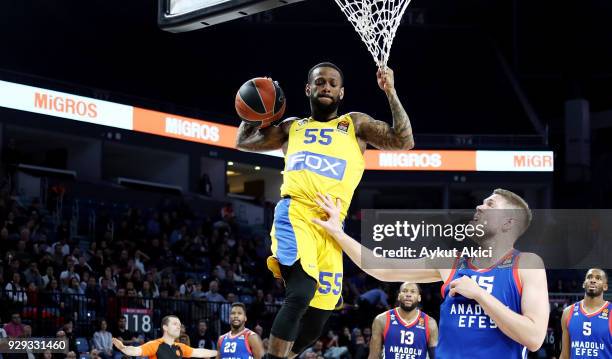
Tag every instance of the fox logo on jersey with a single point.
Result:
(324, 165)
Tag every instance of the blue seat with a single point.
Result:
(82, 345)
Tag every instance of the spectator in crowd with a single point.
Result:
(317, 349)
(32, 294)
(367, 335)
(125, 336)
(344, 339)
(73, 288)
(22, 254)
(133, 300)
(92, 291)
(27, 333)
(183, 336)
(83, 266)
(333, 350)
(187, 288)
(48, 276)
(15, 291)
(111, 281)
(202, 338)
(103, 341)
(149, 290)
(32, 275)
(68, 329)
(67, 275)
(53, 296)
(62, 244)
(213, 292)
(198, 293)
(361, 349)
(14, 328)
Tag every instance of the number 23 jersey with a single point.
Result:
(235, 346)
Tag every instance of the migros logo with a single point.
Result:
(533, 161)
(65, 105)
(409, 160)
(192, 129)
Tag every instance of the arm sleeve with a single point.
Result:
(96, 341)
(108, 343)
(149, 348)
(186, 349)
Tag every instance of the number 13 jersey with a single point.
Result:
(406, 340)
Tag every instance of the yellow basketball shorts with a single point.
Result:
(295, 237)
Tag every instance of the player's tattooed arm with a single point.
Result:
(382, 136)
(379, 134)
(251, 138)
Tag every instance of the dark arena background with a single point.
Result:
(122, 194)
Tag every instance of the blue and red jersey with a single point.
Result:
(235, 346)
(466, 331)
(405, 340)
(590, 333)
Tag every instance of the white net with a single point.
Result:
(376, 22)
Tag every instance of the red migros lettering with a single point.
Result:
(425, 160)
(533, 161)
(65, 105)
(192, 129)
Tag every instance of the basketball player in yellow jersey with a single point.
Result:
(323, 154)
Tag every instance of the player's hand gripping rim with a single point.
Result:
(332, 225)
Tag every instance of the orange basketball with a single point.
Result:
(260, 101)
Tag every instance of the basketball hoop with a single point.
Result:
(376, 22)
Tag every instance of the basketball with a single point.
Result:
(260, 101)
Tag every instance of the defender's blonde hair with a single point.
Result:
(519, 203)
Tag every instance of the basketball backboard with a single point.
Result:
(188, 15)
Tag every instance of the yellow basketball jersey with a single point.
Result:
(322, 157)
